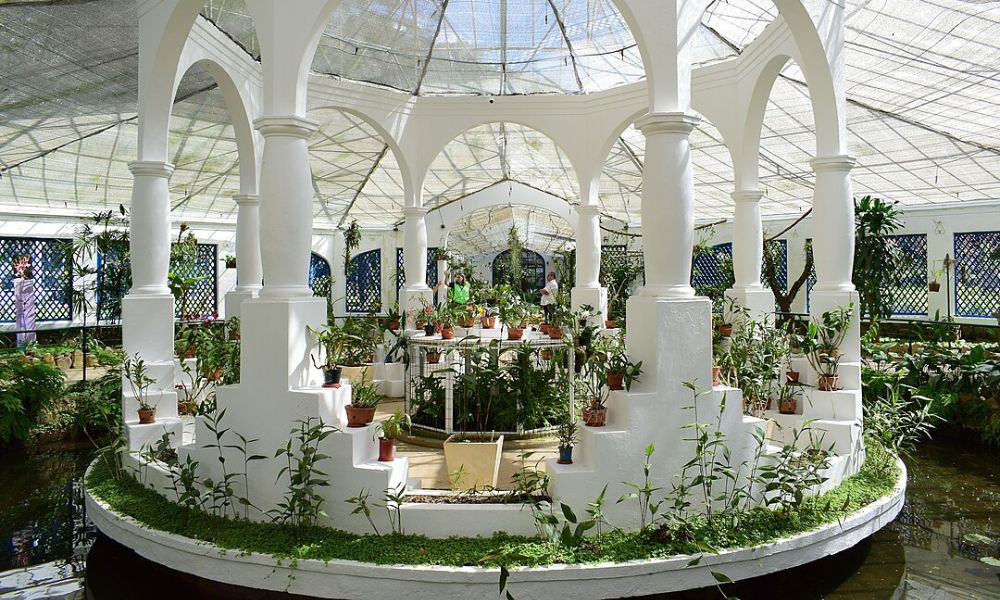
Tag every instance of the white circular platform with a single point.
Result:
(348, 580)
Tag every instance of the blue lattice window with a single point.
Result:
(114, 278)
(910, 294)
(202, 298)
(780, 265)
(532, 270)
(432, 268)
(320, 278)
(977, 274)
(53, 276)
(364, 284)
(712, 271)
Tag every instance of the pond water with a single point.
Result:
(933, 551)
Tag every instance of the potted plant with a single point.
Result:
(512, 315)
(594, 394)
(448, 316)
(364, 401)
(788, 399)
(390, 429)
(230, 261)
(567, 433)
(619, 370)
(134, 369)
(332, 341)
(361, 339)
(934, 285)
(823, 340)
(393, 319)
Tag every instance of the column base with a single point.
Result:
(148, 327)
(759, 302)
(235, 299)
(667, 292)
(275, 342)
(674, 343)
(596, 297)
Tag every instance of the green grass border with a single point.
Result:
(761, 526)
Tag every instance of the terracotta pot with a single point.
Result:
(488, 322)
(393, 325)
(616, 381)
(791, 377)
(565, 455)
(546, 354)
(438, 327)
(331, 377)
(544, 328)
(469, 323)
(215, 375)
(556, 333)
(190, 352)
(433, 358)
(716, 376)
(726, 330)
(611, 324)
(359, 417)
(595, 417)
(934, 286)
(147, 416)
(447, 333)
(788, 407)
(828, 383)
(386, 449)
(515, 333)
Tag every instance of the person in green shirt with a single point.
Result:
(459, 291)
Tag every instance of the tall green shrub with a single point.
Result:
(25, 390)
(877, 259)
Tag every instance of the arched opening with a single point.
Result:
(320, 276)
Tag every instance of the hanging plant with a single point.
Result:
(515, 245)
(352, 239)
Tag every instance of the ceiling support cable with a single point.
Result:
(569, 44)
(368, 176)
(430, 49)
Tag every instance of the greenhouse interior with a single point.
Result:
(517, 299)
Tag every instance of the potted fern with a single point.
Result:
(390, 429)
(139, 380)
(364, 401)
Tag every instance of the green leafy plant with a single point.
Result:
(134, 369)
(643, 494)
(302, 504)
(877, 257)
(364, 395)
(26, 389)
(352, 240)
(394, 425)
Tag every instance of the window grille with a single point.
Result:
(201, 300)
(910, 294)
(432, 268)
(712, 271)
(53, 276)
(320, 278)
(977, 274)
(532, 269)
(364, 284)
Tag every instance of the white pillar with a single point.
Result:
(668, 204)
(588, 290)
(748, 250)
(249, 272)
(416, 292)
(833, 218)
(149, 227)
(286, 206)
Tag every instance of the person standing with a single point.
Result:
(549, 294)
(459, 291)
(24, 303)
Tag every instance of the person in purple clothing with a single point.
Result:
(24, 303)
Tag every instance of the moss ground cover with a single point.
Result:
(126, 496)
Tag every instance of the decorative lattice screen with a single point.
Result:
(432, 268)
(977, 274)
(910, 295)
(712, 271)
(780, 265)
(532, 269)
(114, 277)
(612, 256)
(320, 279)
(201, 300)
(52, 273)
(364, 284)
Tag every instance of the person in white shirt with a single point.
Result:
(549, 293)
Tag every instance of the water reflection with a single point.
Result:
(933, 551)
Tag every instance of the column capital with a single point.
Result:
(287, 126)
(840, 162)
(151, 168)
(248, 200)
(667, 122)
(588, 210)
(415, 211)
(747, 196)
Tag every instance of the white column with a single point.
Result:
(667, 204)
(588, 246)
(748, 250)
(249, 272)
(149, 227)
(286, 206)
(833, 218)
(415, 248)
(748, 239)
